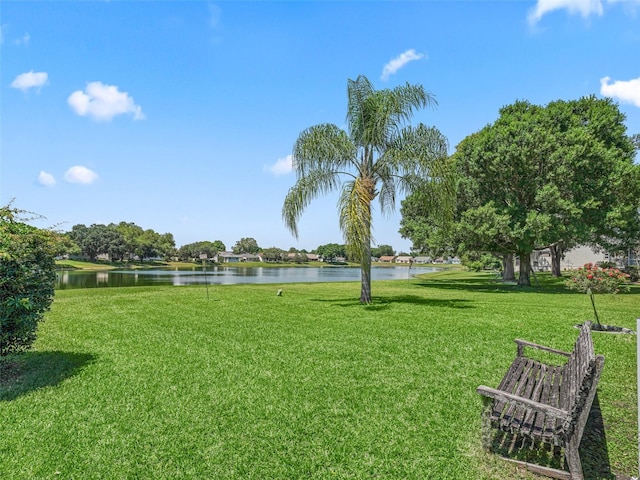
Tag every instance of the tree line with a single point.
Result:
(126, 241)
(122, 241)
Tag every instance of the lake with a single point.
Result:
(227, 275)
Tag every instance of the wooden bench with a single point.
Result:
(546, 403)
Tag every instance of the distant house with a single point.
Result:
(577, 257)
(387, 258)
(230, 257)
(312, 257)
(422, 260)
(406, 259)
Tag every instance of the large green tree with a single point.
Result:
(380, 156)
(121, 241)
(192, 251)
(547, 177)
(246, 245)
(330, 251)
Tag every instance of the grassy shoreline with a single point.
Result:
(159, 382)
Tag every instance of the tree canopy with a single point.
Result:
(123, 241)
(246, 245)
(192, 251)
(550, 176)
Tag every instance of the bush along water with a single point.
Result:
(592, 279)
(27, 277)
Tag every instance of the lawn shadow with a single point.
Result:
(487, 285)
(383, 303)
(24, 373)
(542, 283)
(593, 449)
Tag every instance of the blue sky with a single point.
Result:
(181, 116)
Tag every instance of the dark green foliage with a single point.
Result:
(27, 276)
(121, 242)
(552, 176)
(274, 254)
(192, 251)
(246, 245)
(477, 262)
(331, 251)
(382, 250)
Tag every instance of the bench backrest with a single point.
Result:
(580, 378)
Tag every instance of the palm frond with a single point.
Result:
(388, 192)
(308, 187)
(358, 91)
(416, 150)
(322, 147)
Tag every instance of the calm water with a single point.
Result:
(228, 275)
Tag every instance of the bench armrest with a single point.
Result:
(521, 401)
(523, 343)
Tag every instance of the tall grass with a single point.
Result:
(163, 383)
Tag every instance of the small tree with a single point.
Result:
(246, 245)
(592, 279)
(27, 278)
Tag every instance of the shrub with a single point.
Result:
(27, 278)
(592, 279)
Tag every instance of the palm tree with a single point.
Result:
(379, 157)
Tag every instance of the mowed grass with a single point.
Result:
(163, 383)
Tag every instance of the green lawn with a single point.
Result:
(161, 383)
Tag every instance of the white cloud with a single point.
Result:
(283, 166)
(585, 8)
(31, 79)
(80, 174)
(400, 61)
(46, 179)
(627, 91)
(24, 40)
(103, 102)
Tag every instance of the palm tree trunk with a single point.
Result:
(365, 262)
(365, 286)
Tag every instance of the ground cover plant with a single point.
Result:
(163, 383)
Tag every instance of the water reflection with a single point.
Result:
(227, 275)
